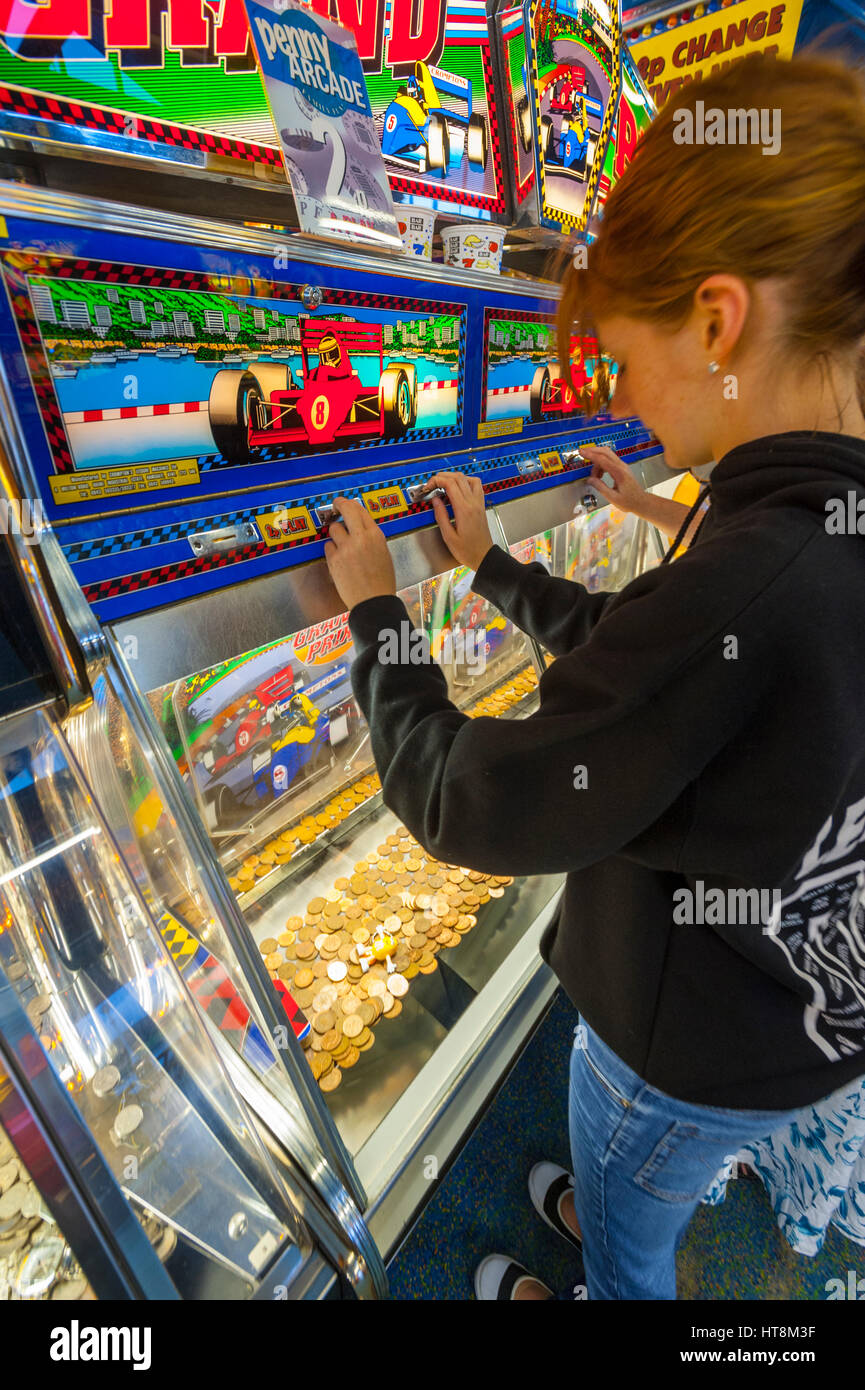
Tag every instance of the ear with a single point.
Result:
(721, 303)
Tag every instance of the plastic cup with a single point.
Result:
(474, 246)
(416, 231)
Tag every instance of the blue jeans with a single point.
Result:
(642, 1161)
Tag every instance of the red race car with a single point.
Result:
(264, 406)
(567, 89)
(552, 395)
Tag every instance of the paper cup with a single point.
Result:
(416, 231)
(474, 245)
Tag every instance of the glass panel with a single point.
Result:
(35, 1259)
(102, 991)
(381, 947)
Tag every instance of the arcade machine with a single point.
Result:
(230, 905)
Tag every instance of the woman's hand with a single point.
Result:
(357, 555)
(625, 492)
(467, 537)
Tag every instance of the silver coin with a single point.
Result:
(127, 1121)
(105, 1080)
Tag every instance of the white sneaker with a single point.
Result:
(498, 1277)
(549, 1186)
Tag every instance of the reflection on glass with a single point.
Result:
(103, 994)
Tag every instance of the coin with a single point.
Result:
(323, 1022)
(286, 972)
(353, 1026)
(315, 905)
(387, 1002)
(350, 1057)
(349, 1005)
(103, 1083)
(429, 969)
(268, 945)
(396, 1010)
(274, 960)
(127, 1121)
(496, 892)
(8, 1175)
(330, 1040)
(367, 1012)
(286, 938)
(303, 979)
(337, 970)
(331, 1079)
(305, 950)
(397, 985)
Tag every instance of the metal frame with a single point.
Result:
(20, 201)
(78, 1186)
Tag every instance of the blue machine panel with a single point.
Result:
(191, 410)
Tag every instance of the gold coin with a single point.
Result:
(367, 1012)
(349, 1003)
(349, 1057)
(324, 1022)
(330, 1040)
(286, 938)
(396, 1010)
(273, 960)
(410, 971)
(305, 950)
(303, 979)
(429, 969)
(367, 1045)
(286, 972)
(331, 1079)
(496, 892)
(316, 905)
(353, 1026)
(268, 945)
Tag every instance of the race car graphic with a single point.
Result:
(589, 389)
(265, 406)
(418, 127)
(567, 88)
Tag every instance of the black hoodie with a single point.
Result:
(716, 707)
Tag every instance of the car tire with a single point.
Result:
(524, 123)
(546, 136)
(397, 402)
(477, 142)
(438, 143)
(540, 391)
(228, 406)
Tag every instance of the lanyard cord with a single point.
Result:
(682, 531)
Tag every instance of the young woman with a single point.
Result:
(697, 762)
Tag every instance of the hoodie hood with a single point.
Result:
(803, 469)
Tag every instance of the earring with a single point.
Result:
(714, 367)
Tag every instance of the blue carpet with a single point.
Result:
(734, 1251)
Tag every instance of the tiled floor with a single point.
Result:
(734, 1251)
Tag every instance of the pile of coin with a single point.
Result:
(35, 1261)
(399, 890)
(280, 850)
(510, 692)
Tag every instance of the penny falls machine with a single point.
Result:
(245, 1017)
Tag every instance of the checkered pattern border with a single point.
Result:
(524, 188)
(554, 216)
(17, 266)
(498, 205)
(41, 106)
(183, 569)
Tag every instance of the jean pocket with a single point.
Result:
(684, 1163)
(603, 1080)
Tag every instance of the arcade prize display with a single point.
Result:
(240, 967)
